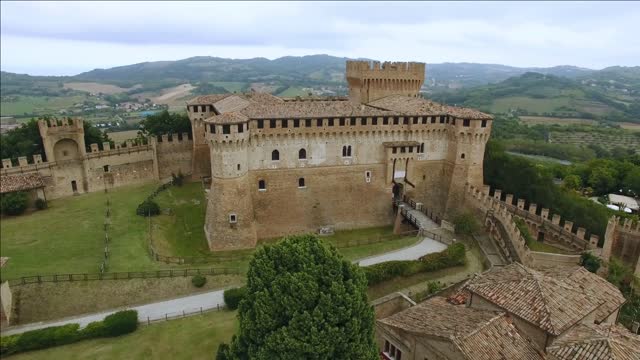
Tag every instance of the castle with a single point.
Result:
(282, 166)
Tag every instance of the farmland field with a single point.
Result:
(230, 86)
(544, 120)
(40, 105)
(93, 87)
(292, 91)
(627, 139)
(630, 126)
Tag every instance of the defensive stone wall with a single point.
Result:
(500, 221)
(175, 154)
(622, 240)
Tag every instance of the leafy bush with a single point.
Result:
(120, 323)
(41, 204)
(40, 339)
(466, 224)
(177, 180)
(148, 208)
(452, 256)
(233, 297)
(14, 203)
(198, 281)
(590, 262)
(524, 230)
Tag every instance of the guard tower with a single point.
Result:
(369, 81)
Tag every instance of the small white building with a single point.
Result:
(628, 202)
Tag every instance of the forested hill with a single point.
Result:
(611, 94)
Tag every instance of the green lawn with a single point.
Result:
(543, 247)
(196, 337)
(68, 236)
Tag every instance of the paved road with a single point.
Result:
(426, 246)
(214, 299)
(153, 311)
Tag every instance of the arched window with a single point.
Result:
(344, 151)
(302, 154)
(349, 151)
(301, 183)
(462, 156)
(275, 155)
(262, 185)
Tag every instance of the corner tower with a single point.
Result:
(229, 222)
(372, 81)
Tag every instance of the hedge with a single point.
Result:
(232, 297)
(122, 322)
(198, 281)
(454, 255)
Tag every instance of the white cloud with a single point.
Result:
(69, 37)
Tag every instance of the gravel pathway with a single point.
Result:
(426, 246)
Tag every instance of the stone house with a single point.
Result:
(513, 312)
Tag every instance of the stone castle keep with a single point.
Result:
(282, 166)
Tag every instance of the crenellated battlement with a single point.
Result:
(552, 229)
(369, 81)
(23, 164)
(375, 67)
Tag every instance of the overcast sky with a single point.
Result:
(66, 38)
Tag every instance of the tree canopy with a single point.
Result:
(166, 123)
(304, 301)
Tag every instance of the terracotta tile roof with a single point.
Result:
(207, 99)
(547, 302)
(419, 106)
(266, 106)
(591, 285)
(596, 342)
(228, 118)
(478, 334)
(11, 183)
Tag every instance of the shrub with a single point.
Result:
(41, 204)
(14, 203)
(233, 297)
(148, 208)
(93, 330)
(177, 180)
(120, 323)
(198, 281)
(590, 262)
(453, 255)
(40, 339)
(465, 224)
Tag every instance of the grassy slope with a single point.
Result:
(39, 104)
(68, 237)
(194, 337)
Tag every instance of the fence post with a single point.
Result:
(218, 305)
(148, 321)
(183, 314)
(39, 279)
(200, 309)
(166, 317)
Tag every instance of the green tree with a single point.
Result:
(304, 301)
(14, 203)
(166, 123)
(466, 224)
(572, 182)
(603, 180)
(632, 180)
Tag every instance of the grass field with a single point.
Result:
(40, 105)
(630, 126)
(503, 105)
(293, 91)
(542, 247)
(48, 301)
(230, 86)
(196, 337)
(543, 120)
(121, 136)
(68, 236)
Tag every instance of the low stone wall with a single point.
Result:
(391, 304)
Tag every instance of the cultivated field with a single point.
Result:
(121, 136)
(630, 126)
(40, 105)
(93, 87)
(543, 120)
(627, 140)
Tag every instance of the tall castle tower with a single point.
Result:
(230, 218)
(370, 81)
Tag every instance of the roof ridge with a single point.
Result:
(546, 305)
(483, 325)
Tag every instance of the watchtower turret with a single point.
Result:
(372, 81)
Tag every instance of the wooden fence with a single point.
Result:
(36, 279)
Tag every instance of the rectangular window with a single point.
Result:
(307, 123)
(433, 119)
(385, 121)
(386, 346)
(396, 121)
(466, 122)
(240, 128)
(453, 121)
(361, 121)
(284, 123)
(260, 124)
(374, 121)
(484, 123)
(403, 149)
(423, 119)
(395, 149)
(212, 128)
(329, 122)
(296, 123)
(415, 120)
(342, 121)
(272, 124)
(226, 129)
(233, 218)
(441, 119)
(405, 120)
(410, 149)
